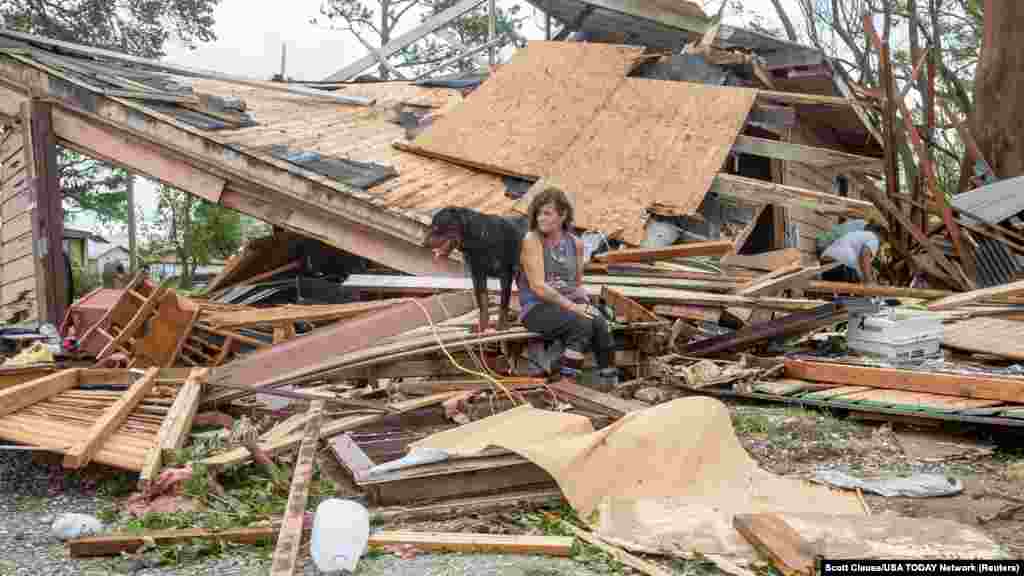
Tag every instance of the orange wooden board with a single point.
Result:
(922, 399)
(524, 117)
(987, 335)
(653, 143)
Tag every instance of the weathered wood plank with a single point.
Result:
(1007, 389)
(987, 335)
(176, 424)
(710, 248)
(957, 300)
(288, 539)
(778, 542)
(81, 453)
(822, 157)
(767, 261)
(593, 400)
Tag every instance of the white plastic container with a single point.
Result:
(341, 530)
(895, 334)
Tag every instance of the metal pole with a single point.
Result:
(133, 261)
(491, 29)
(547, 22)
(284, 53)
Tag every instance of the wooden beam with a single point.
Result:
(17, 397)
(312, 352)
(771, 96)
(697, 313)
(479, 543)
(712, 248)
(848, 288)
(812, 155)
(381, 58)
(436, 541)
(120, 148)
(957, 300)
(396, 44)
(81, 454)
(1005, 388)
(288, 539)
(464, 507)
(778, 542)
(754, 191)
(48, 213)
(595, 401)
(627, 308)
(176, 425)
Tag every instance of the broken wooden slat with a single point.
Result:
(595, 401)
(17, 397)
(753, 334)
(696, 313)
(239, 455)
(833, 392)
(313, 313)
(136, 322)
(915, 400)
(778, 542)
(787, 386)
(627, 308)
(617, 553)
(710, 248)
(1007, 389)
(421, 388)
(826, 287)
(287, 551)
(173, 358)
(957, 300)
(462, 542)
(14, 375)
(987, 335)
(80, 454)
(176, 425)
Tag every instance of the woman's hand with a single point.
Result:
(583, 310)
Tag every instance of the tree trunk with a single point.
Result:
(998, 114)
(187, 264)
(786, 22)
(385, 34)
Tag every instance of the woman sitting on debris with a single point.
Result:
(551, 296)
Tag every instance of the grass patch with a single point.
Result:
(549, 521)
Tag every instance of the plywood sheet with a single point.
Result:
(522, 119)
(654, 142)
(988, 335)
(923, 400)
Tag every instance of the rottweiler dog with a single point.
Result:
(490, 246)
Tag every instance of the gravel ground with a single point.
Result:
(32, 495)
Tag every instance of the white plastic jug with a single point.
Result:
(341, 529)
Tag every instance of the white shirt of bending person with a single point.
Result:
(847, 248)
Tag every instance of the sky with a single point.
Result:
(249, 41)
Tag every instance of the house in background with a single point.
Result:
(114, 253)
(168, 266)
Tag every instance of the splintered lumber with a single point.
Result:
(315, 313)
(595, 401)
(793, 278)
(17, 397)
(988, 336)
(778, 542)
(767, 261)
(82, 452)
(957, 300)
(752, 190)
(175, 426)
(438, 541)
(287, 551)
(696, 313)
(762, 331)
(710, 248)
(311, 353)
(849, 288)
(627, 308)
(619, 554)
(280, 444)
(1005, 388)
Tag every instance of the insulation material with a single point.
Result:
(654, 142)
(521, 120)
(681, 456)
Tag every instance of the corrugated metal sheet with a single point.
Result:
(995, 202)
(996, 264)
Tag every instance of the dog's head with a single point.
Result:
(446, 231)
